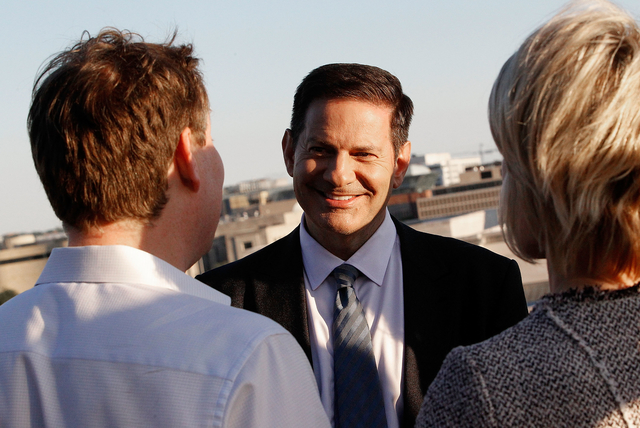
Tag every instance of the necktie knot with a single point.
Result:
(345, 275)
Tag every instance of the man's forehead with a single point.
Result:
(345, 110)
(360, 124)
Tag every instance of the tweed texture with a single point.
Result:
(574, 362)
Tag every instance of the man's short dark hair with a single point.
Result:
(105, 120)
(356, 81)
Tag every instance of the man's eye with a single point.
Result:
(317, 150)
(362, 154)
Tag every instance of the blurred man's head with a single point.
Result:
(121, 139)
(104, 124)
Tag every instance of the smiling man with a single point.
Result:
(375, 305)
(344, 170)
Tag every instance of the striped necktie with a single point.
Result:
(358, 395)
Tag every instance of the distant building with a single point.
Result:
(403, 206)
(244, 199)
(417, 183)
(244, 235)
(447, 168)
(478, 189)
(418, 179)
(23, 256)
(252, 186)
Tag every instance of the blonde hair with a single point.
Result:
(565, 114)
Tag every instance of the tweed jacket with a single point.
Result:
(574, 362)
(455, 294)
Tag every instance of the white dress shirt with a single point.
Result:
(113, 336)
(379, 289)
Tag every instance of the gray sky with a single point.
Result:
(446, 53)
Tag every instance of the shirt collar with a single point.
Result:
(371, 259)
(122, 264)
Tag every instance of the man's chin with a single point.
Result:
(339, 224)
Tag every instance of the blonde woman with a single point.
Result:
(565, 114)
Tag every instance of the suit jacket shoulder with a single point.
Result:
(460, 267)
(455, 293)
(269, 282)
(464, 284)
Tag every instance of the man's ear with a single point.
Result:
(402, 163)
(288, 151)
(185, 164)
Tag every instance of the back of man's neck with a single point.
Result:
(132, 233)
(117, 233)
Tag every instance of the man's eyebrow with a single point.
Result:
(316, 140)
(365, 148)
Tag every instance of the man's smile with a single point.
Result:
(338, 197)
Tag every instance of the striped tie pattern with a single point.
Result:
(358, 396)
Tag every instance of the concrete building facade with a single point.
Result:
(447, 167)
(23, 257)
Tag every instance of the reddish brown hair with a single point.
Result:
(104, 122)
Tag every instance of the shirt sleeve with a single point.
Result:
(276, 388)
(458, 397)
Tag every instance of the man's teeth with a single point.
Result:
(340, 198)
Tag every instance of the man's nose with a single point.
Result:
(340, 171)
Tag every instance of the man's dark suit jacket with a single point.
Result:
(455, 294)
